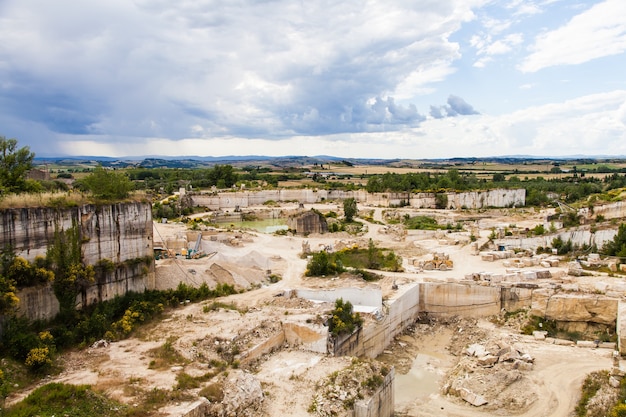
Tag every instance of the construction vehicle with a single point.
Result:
(440, 261)
(194, 253)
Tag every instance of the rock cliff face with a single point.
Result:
(307, 223)
(579, 237)
(471, 199)
(574, 308)
(120, 233)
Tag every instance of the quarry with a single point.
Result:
(440, 337)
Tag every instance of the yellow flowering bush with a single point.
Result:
(137, 313)
(38, 358)
(46, 337)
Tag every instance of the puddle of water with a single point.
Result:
(263, 226)
(420, 382)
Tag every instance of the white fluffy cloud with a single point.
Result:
(596, 32)
(348, 78)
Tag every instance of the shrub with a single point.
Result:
(38, 358)
(343, 319)
(349, 208)
(65, 400)
(212, 392)
(539, 230)
(321, 263)
(591, 386)
(107, 185)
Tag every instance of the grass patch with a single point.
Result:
(591, 386)
(58, 399)
(324, 263)
(212, 392)
(216, 305)
(166, 355)
(536, 323)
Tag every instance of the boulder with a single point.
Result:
(472, 398)
(487, 361)
(581, 308)
(476, 350)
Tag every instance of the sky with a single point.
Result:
(354, 79)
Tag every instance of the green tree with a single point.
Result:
(498, 177)
(343, 319)
(107, 185)
(14, 164)
(617, 246)
(349, 208)
(372, 252)
(441, 200)
(71, 276)
(322, 263)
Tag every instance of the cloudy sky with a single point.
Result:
(355, 79)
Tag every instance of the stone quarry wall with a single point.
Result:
(120, 233)
(309, 337)
(489, 198)
(307, 223)
(615, 210)
(516, 298)
(267, 346)
(580, 237)
(381, 403)
(574, 307)
(38, 303)
(401, 311)
(621, 327)
(471, 300)
(470, 199)
(465, 300)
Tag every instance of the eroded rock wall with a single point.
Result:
(578, 237)
(307, 223)
(584, 308)
(468, 300)
(120, 233)
(439, 298)
(621, 327)
(470, 199)
(615, 210)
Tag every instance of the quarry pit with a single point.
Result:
(440, 332)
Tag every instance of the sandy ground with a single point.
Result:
(122, 369)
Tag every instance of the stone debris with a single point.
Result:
(575, 269)
(491, 372)
(243, 397)
(360, 380)
(102, 343)
(472, 398)
(497, 352)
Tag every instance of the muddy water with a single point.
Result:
(263, 226)
(420, 382)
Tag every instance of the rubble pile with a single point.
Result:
(492, 374)
(336, 394)
(242, 397)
